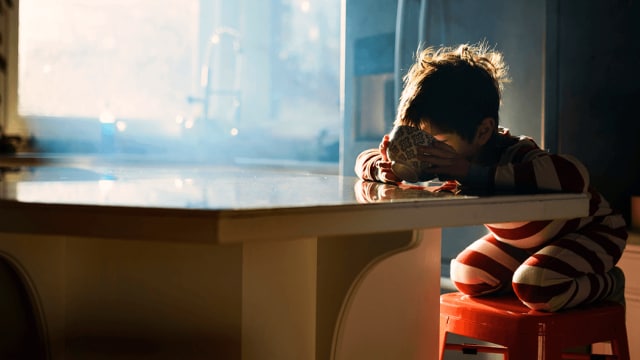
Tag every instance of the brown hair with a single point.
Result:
(454, 88)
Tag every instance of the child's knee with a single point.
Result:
(472, 280)
(541, 289)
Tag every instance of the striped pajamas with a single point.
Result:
(550, 265)
(553, 264)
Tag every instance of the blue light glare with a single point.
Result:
(202, 79)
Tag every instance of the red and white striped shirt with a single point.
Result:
(525, 168)
(519, 166)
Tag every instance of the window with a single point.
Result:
(217, 80)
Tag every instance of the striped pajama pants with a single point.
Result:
(567, 271)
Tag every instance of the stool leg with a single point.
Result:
(443, 336)
(620, 347)
(620, 342)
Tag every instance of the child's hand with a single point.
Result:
(385, 174)
(444, 160)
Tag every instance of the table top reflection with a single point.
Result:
(237, 204)
(203, 188)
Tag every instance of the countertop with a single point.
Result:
(232, 204)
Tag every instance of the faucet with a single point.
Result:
(206, 73)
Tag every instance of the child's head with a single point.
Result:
(453, 89)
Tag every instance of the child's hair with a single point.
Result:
(454, 88)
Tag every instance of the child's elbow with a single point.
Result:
(577, 175)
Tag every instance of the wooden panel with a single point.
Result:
(630, 264)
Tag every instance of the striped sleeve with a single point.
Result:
(525, 168)
(365, 166)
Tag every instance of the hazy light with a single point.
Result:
(105, 185)
(121, 125)
(314, 33)
(305, 6)
(109, 43)
(204, 76)
(200, 66)
(106, 117)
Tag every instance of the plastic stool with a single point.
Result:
(524, 334)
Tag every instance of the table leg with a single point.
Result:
(279, 300)
(392, 309)
(347, 297)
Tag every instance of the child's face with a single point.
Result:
(464, 148)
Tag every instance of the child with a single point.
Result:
(454, 95)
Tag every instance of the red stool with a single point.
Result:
(524, 334)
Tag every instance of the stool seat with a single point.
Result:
(526, 334)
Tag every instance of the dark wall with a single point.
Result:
(598, 92)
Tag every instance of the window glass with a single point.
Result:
(220, 80)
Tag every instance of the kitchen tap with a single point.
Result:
(207, 72)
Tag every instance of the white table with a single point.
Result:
(238, 263)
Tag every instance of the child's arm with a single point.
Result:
(543, 173)
(525, 168)
(365, 167)
(373, 164)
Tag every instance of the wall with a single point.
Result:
(598, 87)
